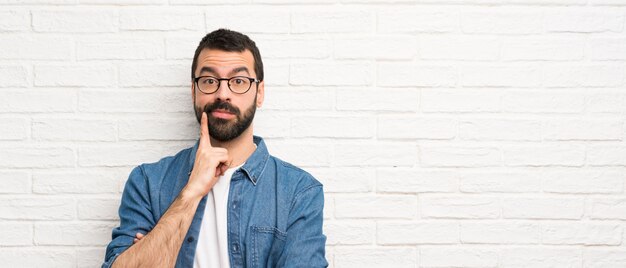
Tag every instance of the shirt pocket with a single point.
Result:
(267, 245)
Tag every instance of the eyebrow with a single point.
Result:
(207, 69)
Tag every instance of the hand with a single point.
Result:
(138, 237)
(211, 163)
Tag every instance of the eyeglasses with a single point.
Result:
(237, 84)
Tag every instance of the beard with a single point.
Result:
(223, 129)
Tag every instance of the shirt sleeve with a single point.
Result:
(135, 216)
(305, 243)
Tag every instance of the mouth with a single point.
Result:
(222, 113)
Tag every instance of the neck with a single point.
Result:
(239, 149)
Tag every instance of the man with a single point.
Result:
(225, 202)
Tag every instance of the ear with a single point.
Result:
(260, 94)
(193, 91)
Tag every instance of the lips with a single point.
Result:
(221, 113)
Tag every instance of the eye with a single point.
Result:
(239, 81)
(208, 80)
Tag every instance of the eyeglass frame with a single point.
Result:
(219, 83)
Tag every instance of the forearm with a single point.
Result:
(159, 248)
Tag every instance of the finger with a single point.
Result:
(204, 130)
(135, 240)
(140, 235)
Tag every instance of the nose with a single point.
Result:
(223, 92)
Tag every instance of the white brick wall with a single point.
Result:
(447, 133)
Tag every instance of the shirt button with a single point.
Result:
(190, 239)
(235, 248)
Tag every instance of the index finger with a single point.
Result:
(204, 130)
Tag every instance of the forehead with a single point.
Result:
(224, 61)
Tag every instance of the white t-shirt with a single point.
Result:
(212, 248)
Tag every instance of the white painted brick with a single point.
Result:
(306, 154)
(581, 233)
(31, 208)
(457, 256)
(459, 156)
(461, 100)
(603, 258)
(275, 73)
(329, 206)
(203, 2)
(500, 129)
(293, 48)
(35, 47)
(460, 207)
(75, 21)
(429, 21)
(349, 232)
(14, 128)
(332, 22)
(151, 75)
(606, 155)
(394, 127)
(336, 74)
(584, 21)
(500, 76)
(159, 128)
(79, 234)
(543, 102)
(293, 1)
(395, 180)
(608, 48)
(493, 232)
(14, 76)
(540, 257)
(376, 206)
(16, 234)
(120, 49)
(421, 232)
(501, 22)
(345, 180)
(37, 156)
(583, 75)
(581, 129)
(553, 49)
(75, 182)
(161, 20)
(608, 208)
(380, 154)
(14, 20)
(333, 126)
(73, 129)
(605, 102)
(182, 47)
(125, 154)
(380, 99)
(542, 208)
(248, 20)
(451, 47)
(500, 182)
(34, 257)
(75, 76)
(89, 257)
(269, 124)
(38, 101)
(298, 99)
(135, 101)
(411, 75)
(544, 155)
(15, 182)
(608, 2)
(385, 47)
(375, 257)
(584, 181)
(122, 2)
(98, 209)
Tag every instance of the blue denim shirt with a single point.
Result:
(275, 211)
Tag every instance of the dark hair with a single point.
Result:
(230, 41)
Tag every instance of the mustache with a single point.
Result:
(210, 107)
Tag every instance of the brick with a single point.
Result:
(560, 76)
(583, 182)
(120, 49)
(345, 180)
(584, 21)
(375, 257)
(488, 129)
(540, 257)
(159, 128)
(204, 2)
(608, 2)
(14, 76)
(542, 208)
(34, 47)
(276, 73)
(333, 126)
(271, 125)
(605, 102)
(154, 75)
(45, 2)
(459, 156)
(293, 1)
(14, 20)
(501, 22)
(603, 257)
(122, 2)
(544, 155)
(98, 208)
(161, 20)
(134, 100)
(181, 47)
(15, 182)
(500, 182)
(73, 129)
(451, 47)
(75, 76)
(394, 127)
(553, 49)
(36, 156)
(376, 47)
(580, 233)
(16, 234)
(457, 256)
(329, 207)
(500, 76)
(111, 155)
(349, 232)
(608, 208)
(256, 20)
(409, 21)
(543, 102)
(333, 22)
(381, 99)
(75, 182)
(411, 75)
(396, 180)
(73, 234)
(36, 208)
(500, 232)
(461, 100)
(608, 48)
(379, 154)
(38, 257)
(606, 155)
(577, 129)
(416, 233)
(14, 128)
(293, 47)
(302, 154)
(378, 206)
(66, 21)
(459, 207)
(335, 74)
(38, 101)
(89, 257)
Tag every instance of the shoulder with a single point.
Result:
(155, 171)
(294, 177)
